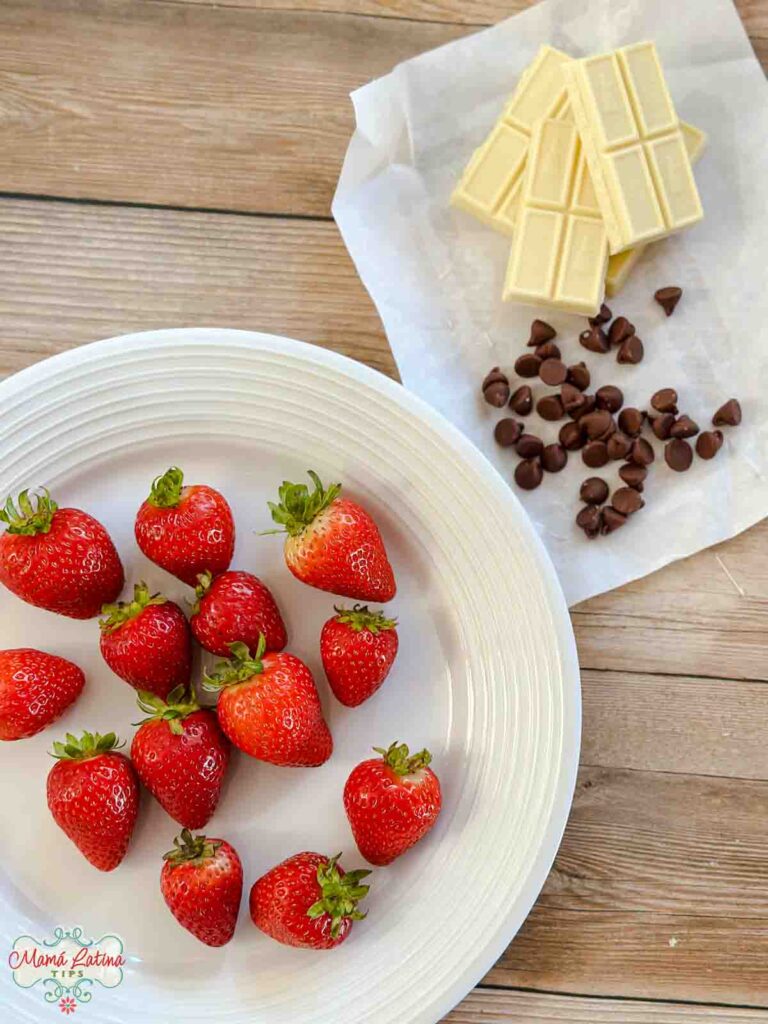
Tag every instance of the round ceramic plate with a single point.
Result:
(486, 678)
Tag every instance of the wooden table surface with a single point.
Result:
(172, 162)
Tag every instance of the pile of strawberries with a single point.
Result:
(267, 703)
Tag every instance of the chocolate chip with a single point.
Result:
(594, 339)
(678, 455)
(661, 425)
(626, 500)
(593, 491)
(529, 446)
(589, 520)
(631, 351)
(609, 397)
(528, 474)
(633, 476)
(548, 350)
(709, 443)
(602, 317)
(521, 400)
(728, 415)
(611, 519)
(553, 372)
(631, 421)
(641, 452)
(571, 437)
(684, 426)
(550, 407)
(508, 432)
(620, 330)
(496, 388)
(594, 454)
(665, 400)
(668, 298)
(527, 365)
(578, 375)
(541, 332)
(618, 445)
(572, 398)
(589, 406)
(553, 458)
(597, 425)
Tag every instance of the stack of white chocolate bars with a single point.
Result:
(587, 164)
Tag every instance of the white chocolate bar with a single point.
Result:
(633, 144)
(559, 249)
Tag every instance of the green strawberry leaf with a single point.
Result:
(89, 745)
(400, 761)
(166, 489)
(359, 617)
(297, 506)
(340, 894)
(237, 669)
(191, 849)
(29, 519)
(115, 615)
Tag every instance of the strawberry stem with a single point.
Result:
(89, 745)
(174, 709)
(204, 580)
(28, 519)
(191, 849)
(298, 506)
(397, 757)
(359, 617)
(238, 668)
(123, 611)
(340, 894)
(166, 489)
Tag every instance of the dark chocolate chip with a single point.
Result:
(609, 397)
(661, 425)
(631, 421)
(602, 317)
(709, 443)
(527, 365)
(572, 398)
(496, 388)
(571, 437)
(528, 474)
(620, 330)
(553, 372)
(684, 426)
(626, 500)
(678, 455)
(619, 445)
(665, 400)
(631, 351)
(508, 432)
(529, 446)
(550, 407)
(668, 298)
(521, 400)
(594, 454)
(633, 476)
(593, 491)
(641, 452)
(594, 339)
(597, 425)
(553, 458)
(578, 375)
(728, 415)
(548, 350)
(589, 406)
(589, 520)
(541, 332)
(611, 519)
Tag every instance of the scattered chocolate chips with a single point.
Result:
(728, 415)
(618, 445)
(579, 376)
(528, 474)
(529, 446)
(571, 437)
(589, 519)
(620, 330)
(709, 443)
(641, 452)
(594, 339)
(678, 455)
(589, 405)
(597, 425)
(684, 426)
(521, 400)
(662, 425)
(602, 317)
(527, 365)
(665, 400)
(553, 458)
(594, 454)
(668, 298)
(631, 421)
(611, 519)
(631, 351)
(548, 350)
(496, 388)
(626, 500)
(541, 331)
(609, 397)
(550, 408)
(572, 398)
(593, 491)
(553, 372)
(633, 476)
(508, 432)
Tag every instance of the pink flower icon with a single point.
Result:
(67, 1005)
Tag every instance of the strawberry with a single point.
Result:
(235, 606)
(391, 802)
(201, 883)
(147, 642)
(268, 706)
(308, 900)
(357, 647)
(185, 530)
(35, 689)
(93, 796)
(181, 756)
(60, 559)
(332, 543)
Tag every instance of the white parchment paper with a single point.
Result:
(435, 274)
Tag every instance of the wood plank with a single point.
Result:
(73, 273)
(187, 105)
(494, 1006)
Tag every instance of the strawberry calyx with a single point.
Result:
(29, 519)
(166, 489)
(359, 617)
(237, 669)
(340, 894)
(115, 615)
(401, 761)
(204, 580)
(189, 849)
(90, 744)
(174, 709)
(298, 506)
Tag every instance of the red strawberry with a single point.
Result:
(391, 802)
(60, 559)
(181, 756)
(236, 606)
(185, 530)
(357, 647)
(202, 882)
(147, 642)
(332, 543)
(93, 796)
(35, 688)
(269, 707)
(308, 901)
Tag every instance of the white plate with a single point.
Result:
(486, 677)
